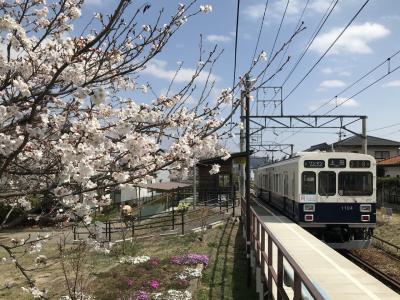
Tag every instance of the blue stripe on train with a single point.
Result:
(324, 212)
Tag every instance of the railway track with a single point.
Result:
(386, 279)
(384, 245)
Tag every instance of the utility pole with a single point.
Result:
(242, 144)
(364, 136)
(247, 85)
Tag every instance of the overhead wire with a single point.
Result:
(259, 32)
(357, 81)
(351, 97)
(384, 127)
(323, 55)
(326, 51)
(363, 89)
(235, 59)
(317, 30)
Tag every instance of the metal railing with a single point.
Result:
(262, 242)
(383, 243)
(168, 220)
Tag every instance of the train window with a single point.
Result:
(308, 184)
(355, 183)
(286, 185)
(326, 183)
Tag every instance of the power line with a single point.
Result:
(327, 50)
(297, 26)
(236, 43)
(317, 30)
(384, 127)
(284, 54)
(352, 96)
(357, 81)
(365, 88)
(279, 29)
(260, 31)
(235, 57)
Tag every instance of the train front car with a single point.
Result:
(337, 197)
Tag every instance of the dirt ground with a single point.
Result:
(388, 228)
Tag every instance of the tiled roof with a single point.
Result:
(395, 160)
(356, 140)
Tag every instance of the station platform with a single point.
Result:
(334, 276)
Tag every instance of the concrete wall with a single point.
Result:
(130, 192)
(392, 171)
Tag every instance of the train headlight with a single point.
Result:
(364, 208)
(309, 207)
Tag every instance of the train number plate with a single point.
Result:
(314, 164)
(308, 198)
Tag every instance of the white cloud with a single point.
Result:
(337, 71)
(276, 9)
(218, 38)
(344, 73)
(254, 11)
(394, 83)
(346, 102)
(328, 84)
(319, 5)
(355, 39)
(158, 68)
(327, 71)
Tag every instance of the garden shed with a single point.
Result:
(223, 183)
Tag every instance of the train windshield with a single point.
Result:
(326, 183)
(308, 186)
(355, 183)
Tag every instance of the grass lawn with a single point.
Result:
(225, 277)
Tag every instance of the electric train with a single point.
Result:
(330, 194)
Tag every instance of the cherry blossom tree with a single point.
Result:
(67, 129)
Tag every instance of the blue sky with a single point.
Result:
(372, 38)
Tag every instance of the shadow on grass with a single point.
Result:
(227, 277)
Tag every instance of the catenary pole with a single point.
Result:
(247, 183)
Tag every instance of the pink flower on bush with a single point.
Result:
(129, 282)
(190, 259)
(154, 261)
(154, 284)
(142, 295)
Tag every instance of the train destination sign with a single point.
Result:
(314, 164)
(337, 163)
(360, 164)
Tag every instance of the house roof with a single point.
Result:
(219, 158)
(322, 147)
(256, 162)
(393, 161)
(356, 141)
(166, 186)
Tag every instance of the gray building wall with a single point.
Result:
(393, 151)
